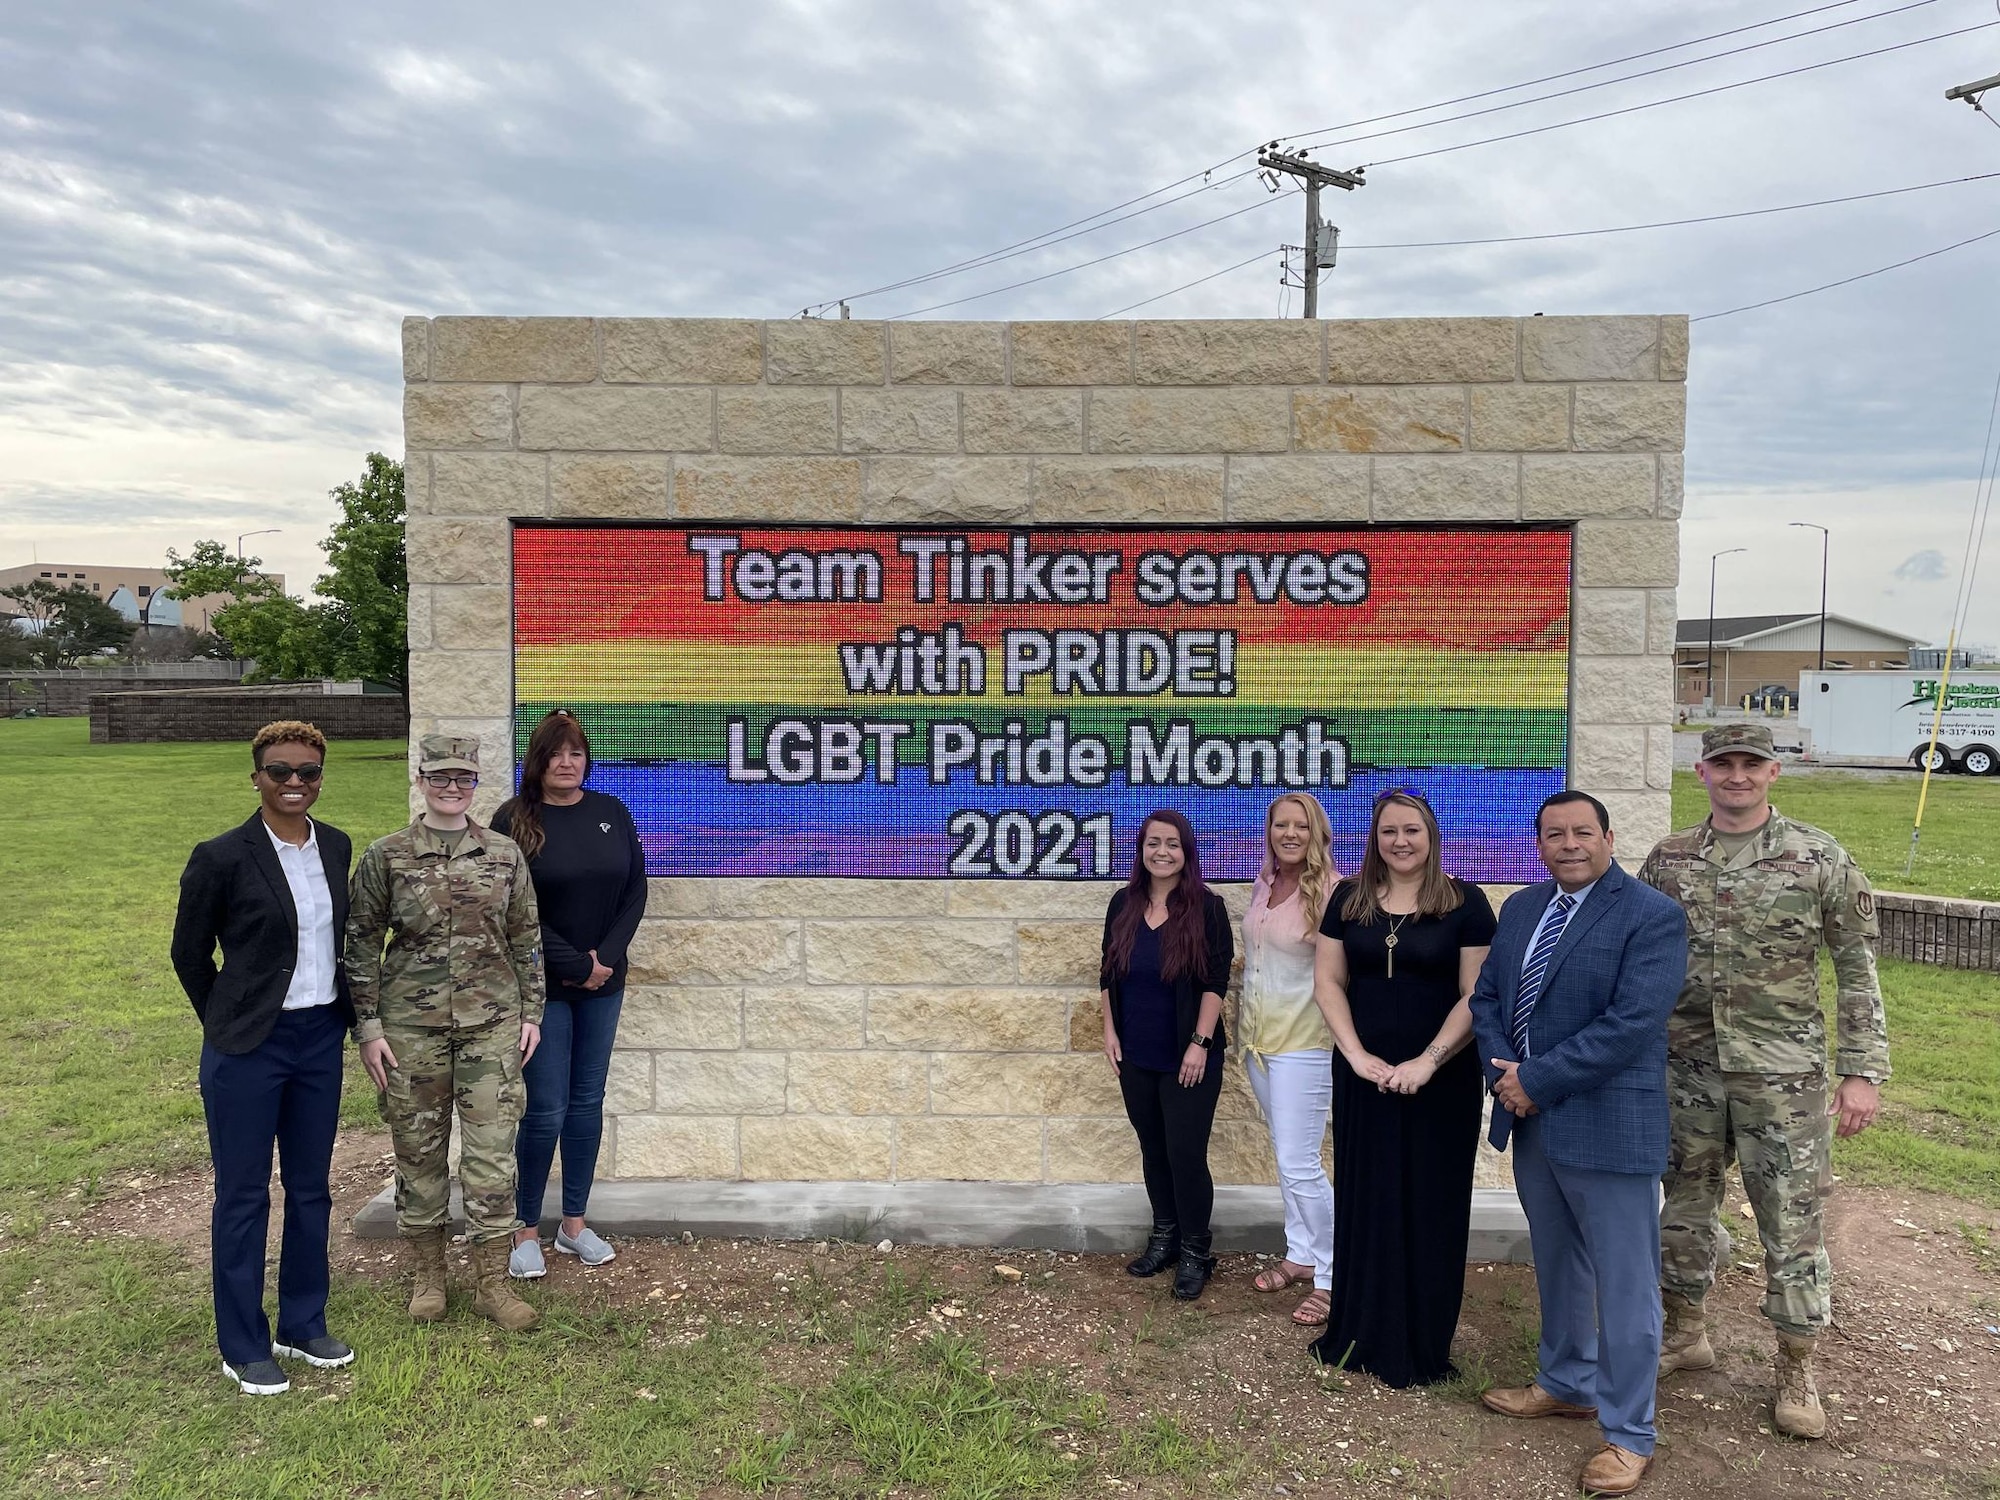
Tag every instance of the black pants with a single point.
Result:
(1172, 1123)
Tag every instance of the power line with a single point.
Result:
(1847, 280)
(1175, 291)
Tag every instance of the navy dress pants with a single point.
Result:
(285, 1092)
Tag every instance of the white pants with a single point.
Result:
(1295, 1091)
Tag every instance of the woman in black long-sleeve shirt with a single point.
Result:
(590, 884)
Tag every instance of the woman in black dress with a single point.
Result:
(1399, 950)
(1167, 952)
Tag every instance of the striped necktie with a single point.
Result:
(1537, 969)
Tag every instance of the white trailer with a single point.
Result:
(1884, 719)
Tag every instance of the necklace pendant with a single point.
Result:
(1389, 943)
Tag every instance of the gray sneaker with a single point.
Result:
(260, 1377)
(586, 1246)
(525, 1263)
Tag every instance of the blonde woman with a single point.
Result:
(1287, 1049)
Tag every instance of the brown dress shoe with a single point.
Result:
(1531, 1401)
(1613, 1470)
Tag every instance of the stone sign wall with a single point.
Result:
(909, 1030)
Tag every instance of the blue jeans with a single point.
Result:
(565, 1081)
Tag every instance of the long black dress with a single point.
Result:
(1402, 1163)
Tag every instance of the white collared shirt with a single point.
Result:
(1576, 899)
(305, 873)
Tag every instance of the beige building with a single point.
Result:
(142, 590)
(1755, 651)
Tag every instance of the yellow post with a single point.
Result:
(1930, 751)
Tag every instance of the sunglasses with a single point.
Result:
(281, 773)
(1403, 791)
(443, 779)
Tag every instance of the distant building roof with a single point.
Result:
(1738, 632)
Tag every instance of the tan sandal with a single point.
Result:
(1277, 1278)
(1315, 1310)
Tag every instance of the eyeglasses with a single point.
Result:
(442, 779)
(281, 773)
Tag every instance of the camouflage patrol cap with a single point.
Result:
(448, 752)
(1750, 739)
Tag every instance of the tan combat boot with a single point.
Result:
(1798, 1412)
(495, 1299)
(427, 1296)
(1684, 1342)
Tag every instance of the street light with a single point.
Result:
(1711, 620)
(1825, 540)
(267, 531)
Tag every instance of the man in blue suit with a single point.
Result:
(1571, 1012)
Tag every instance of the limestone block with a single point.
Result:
(1071, 353)
(488, 484)
(680, 898)
(1673, 486)
(1663, 616)
(1461, 487)
(1061, 953)
(622, 486)
(513, 349)
(698, 951)
(912, 952)
(416, 481)
(628, 1086)
(836, 898)
(1034, 1084)
(801, 1016)
(696, 1149)
(930, 1149)
(1520, 418)
(470, 617)
(683, 351)
(857, 1083)
(1380, 419)
(809, 351)
(1011, 420)
(461, 684)
(1298, 487)
(1235, 1102)
(417, 618)
(687, 1017)
(458, 416)
(1084, 900)
(1490, 1168)
(1608, 757)
(1116, 490)
(1240, 1151)
(1419, 351)
(776, 419)
(416, 348)
(953, 491)
(1660, 757)
(1091, 1151)
(775, 489)
(1627, 554)
(1590, 348)
(1610, 622)
(1640, 820)
(947, 353)
(1086, 1023)
(1674, 347)
(899, 421)
(1259, 351)
(1569, 486)
(969, 1020)
(1236, 419)
(1631, 418)
(612, 417)
(816, 1148)
(719, 1083)
(1633, 690)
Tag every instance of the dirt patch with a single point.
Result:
(1907, 1373)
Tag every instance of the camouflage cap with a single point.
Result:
(1750, 739)
(448, 752)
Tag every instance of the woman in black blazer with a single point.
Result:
(1167, 952)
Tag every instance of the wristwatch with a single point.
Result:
(1203, 1042)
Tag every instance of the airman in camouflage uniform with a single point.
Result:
(1747, 1054)
(443, 955)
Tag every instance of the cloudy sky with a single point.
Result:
(212, 216)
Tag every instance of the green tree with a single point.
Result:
(210, 569)
(69, 623)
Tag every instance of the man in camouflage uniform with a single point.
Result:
(442, 954)
(1746, 1058)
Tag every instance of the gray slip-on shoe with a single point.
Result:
(324, 1352)
(258, 1377)
(525, 1263)
(586, 1246)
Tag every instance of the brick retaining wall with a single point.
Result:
(1939, 930)
(238, 713)
(67, 695)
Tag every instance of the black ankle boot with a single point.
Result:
(1162, 1250)
(1196, 1266)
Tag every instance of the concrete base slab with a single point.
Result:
(1098, 1218)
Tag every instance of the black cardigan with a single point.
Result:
(1188, 987)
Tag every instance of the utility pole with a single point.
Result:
(1970, 92)
(1825, 538)
(1321, 238)
(1708, 692)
